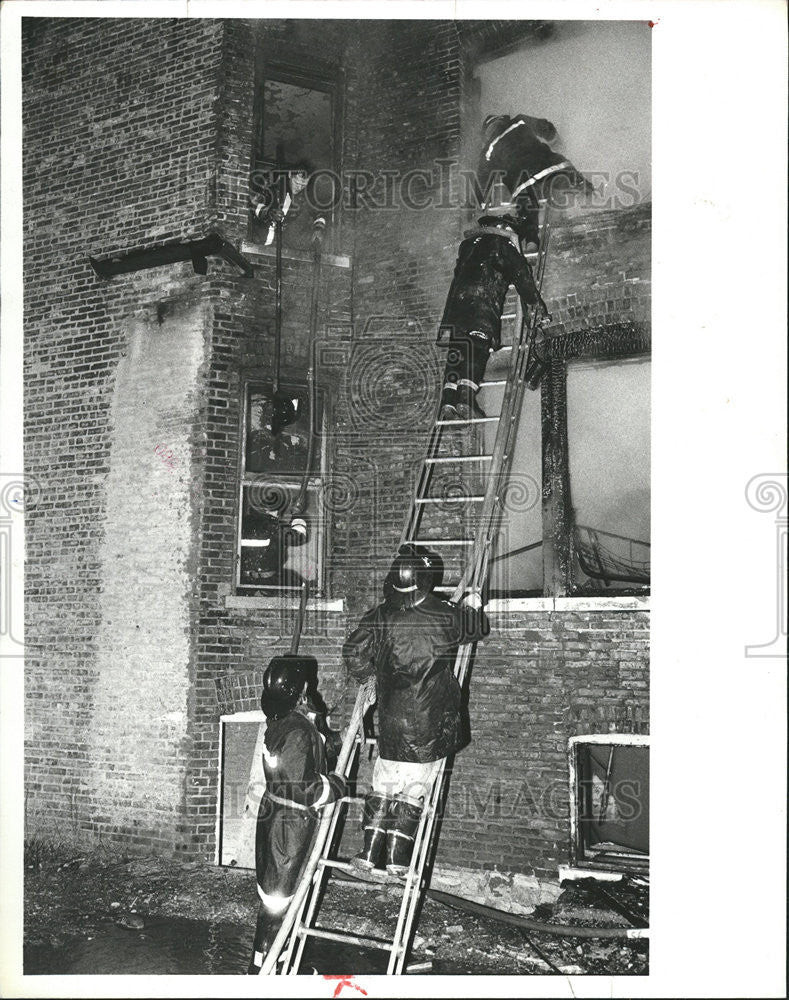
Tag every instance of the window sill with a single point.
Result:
(260, 250)
(630, 603)
(241, 603)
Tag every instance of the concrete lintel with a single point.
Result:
(242, 603)
(260, 250)
(568, 604)
(601, 603)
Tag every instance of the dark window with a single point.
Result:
(274, 471)
(611, 802)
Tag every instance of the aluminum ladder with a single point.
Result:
(299, 924)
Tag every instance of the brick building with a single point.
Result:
(142, 631)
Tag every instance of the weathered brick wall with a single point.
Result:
(119, 127)
(236, 642)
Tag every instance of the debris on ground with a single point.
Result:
(70, 902)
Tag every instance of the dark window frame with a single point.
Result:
(580, 855)
(613, 343)
(319, 588)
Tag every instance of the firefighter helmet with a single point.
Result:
(415, 570)
(283, 683)
(517, 223)
(284, 411)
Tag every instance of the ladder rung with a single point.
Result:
(441, 541)
(451, 500)
(472, 420)
(364, 942)
(494, 381)
(445, 588)
(458, 458)
(375, 876)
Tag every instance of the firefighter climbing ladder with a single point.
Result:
(299, 923)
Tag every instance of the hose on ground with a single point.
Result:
(529, 924)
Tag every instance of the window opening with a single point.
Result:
(271, 559)
(610, 822)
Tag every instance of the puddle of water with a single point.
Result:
(185, 947)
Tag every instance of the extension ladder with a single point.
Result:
(284, 956)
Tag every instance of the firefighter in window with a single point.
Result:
(277, 443)
(409, 643)
(297, 787)
(489, 261)
(280, 195)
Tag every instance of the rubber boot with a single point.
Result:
(404, 820)
(449, 397)
(375, 823)
(267, 926)
(466, 404)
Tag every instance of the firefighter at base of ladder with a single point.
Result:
(409, 642)
(297, 786)
(489, 261)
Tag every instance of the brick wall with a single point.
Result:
(115, 368)
(119, 126)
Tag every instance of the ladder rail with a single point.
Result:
(501, 460)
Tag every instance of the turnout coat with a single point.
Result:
(297, 785)
(487, 264)
(411, 650)
(521, 154)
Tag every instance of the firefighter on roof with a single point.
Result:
(297, 786)
(489, 261)
(409, 642)
(517, 149)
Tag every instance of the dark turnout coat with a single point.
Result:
(294, 762)
(520, 152)
(411, 650)
(486, 267)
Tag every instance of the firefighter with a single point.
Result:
(489, 261)
(279, 190)
(517, 148)
(297, 786)
(409, 642)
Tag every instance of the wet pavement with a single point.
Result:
(184, 947)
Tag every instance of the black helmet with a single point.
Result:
(516, 223)
(283, 683)
(415, 571)
(493, 125)
(285, 410)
